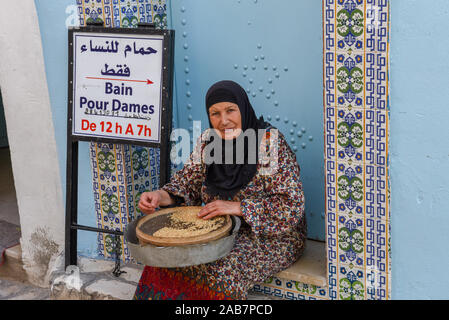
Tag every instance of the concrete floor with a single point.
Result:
(8, 201)
(16, 290)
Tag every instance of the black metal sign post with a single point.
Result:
(107, 42)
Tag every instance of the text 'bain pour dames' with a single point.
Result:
(116, 104)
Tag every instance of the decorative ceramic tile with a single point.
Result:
(109, 194)
(388, 272)
(351, 240)
(329, 27)
(80, 11)
(126, 13)
(331, 206)
(330, 133)
(291, 290)
(349, 79)
(376, 137)
(350, 188)
(377, 258)
(376, 193)
(145, 11)
(355, 40)
(143, 175)
(349, 133)
(377, 25)
(108, 13)
(95, 11)
(329, 59)
(348, 65)
(376, 89)
(351, 282)
(349, 130)
(123, 13)
(350, 25)
(331, 226)
(160, 13)
(330, 79)
(121, 174)
(332, 271)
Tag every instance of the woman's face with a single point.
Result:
(226, 119)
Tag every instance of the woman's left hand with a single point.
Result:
(220, 208)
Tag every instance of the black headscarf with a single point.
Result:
(223, 179)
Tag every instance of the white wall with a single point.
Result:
(31, 138)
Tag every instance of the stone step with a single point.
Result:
(12, 268)
(310, 267)
(16, 290)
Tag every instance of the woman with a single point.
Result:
(271, 207)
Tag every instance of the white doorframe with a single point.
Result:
(31, 138)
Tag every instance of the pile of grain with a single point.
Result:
(186, 223)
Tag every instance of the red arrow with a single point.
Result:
(148, 81)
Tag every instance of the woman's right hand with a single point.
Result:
(149, 201)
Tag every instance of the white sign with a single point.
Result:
(117, 89)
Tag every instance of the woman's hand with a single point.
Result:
(149, 201)
(220, 208)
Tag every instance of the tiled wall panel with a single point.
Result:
(359, 29)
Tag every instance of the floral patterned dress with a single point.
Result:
(271, 237)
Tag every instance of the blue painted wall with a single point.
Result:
(274, 50)
(419, 149)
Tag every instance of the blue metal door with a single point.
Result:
(274, 50)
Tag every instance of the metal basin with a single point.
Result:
(180, 256)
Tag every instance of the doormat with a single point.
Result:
(9, 237)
